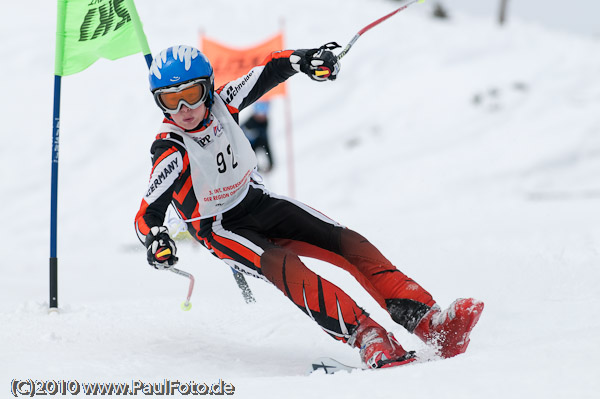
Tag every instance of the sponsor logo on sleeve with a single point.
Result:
(234, 88)
(164, 174)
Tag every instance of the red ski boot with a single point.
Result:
(378, 348)
(449, 330)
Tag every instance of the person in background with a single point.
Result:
(256, 129)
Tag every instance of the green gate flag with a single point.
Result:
(87, 30)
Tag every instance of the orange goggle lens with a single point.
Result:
(190, 95)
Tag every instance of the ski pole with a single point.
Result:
(186, 305)
(239, 277)
(373, 24)
(243, 285)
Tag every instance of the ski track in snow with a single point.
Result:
(468, 154)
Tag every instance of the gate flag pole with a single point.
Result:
(85, 32)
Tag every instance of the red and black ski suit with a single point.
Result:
(264, 234)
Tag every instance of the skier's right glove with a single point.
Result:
(160, 248)
(319, 64)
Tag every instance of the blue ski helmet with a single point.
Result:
(178, 65)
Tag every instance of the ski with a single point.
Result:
(331, 366)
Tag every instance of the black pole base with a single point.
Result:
(53, 283)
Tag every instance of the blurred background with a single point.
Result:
(577, 16)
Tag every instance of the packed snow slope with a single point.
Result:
(468, 154)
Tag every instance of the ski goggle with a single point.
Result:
(192, 94)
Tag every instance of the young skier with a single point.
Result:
(205, 167)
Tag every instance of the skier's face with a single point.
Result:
(188, 118)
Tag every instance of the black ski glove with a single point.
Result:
(160, 248)
(319, 64)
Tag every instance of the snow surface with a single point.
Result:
(468, 154)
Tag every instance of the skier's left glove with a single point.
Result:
(160, 248)
(319, 64)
